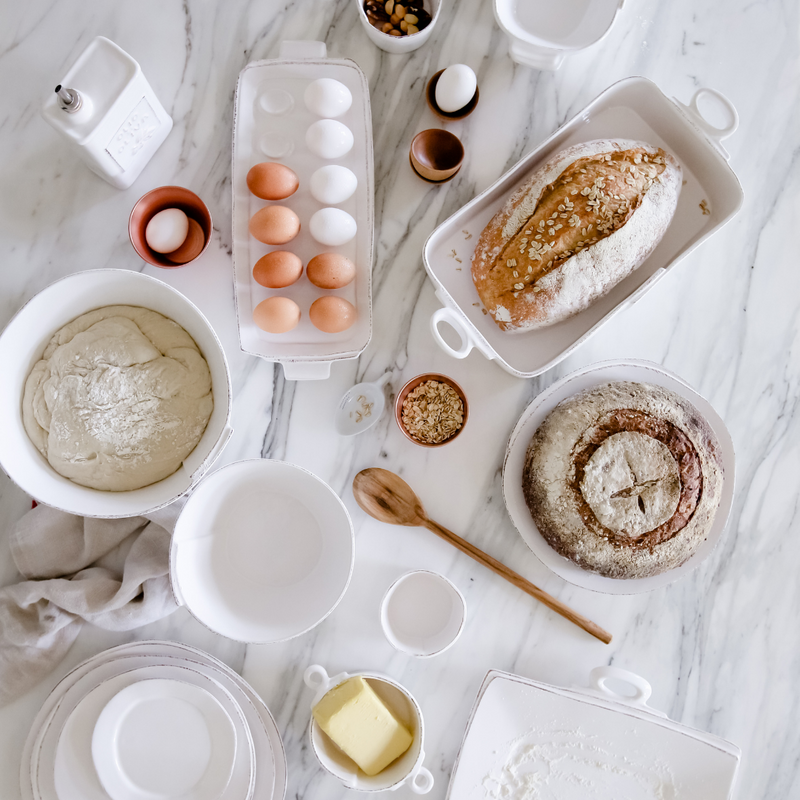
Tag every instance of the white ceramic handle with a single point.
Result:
(306, 370)
(303, 49)
(712, 131)
(538, 58)
(452, 319)
(421, 782)
(316, 677)
(600, 675)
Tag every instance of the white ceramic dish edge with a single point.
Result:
(532, 417)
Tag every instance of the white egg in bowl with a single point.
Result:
(333, 184)
(262, 552)
(329, 139)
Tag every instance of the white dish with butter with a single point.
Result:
(406, 770)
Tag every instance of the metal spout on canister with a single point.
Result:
(69, 100)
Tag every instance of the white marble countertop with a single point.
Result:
(721, 647)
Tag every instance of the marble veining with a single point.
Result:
(722, 646)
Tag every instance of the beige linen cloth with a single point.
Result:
(112, 573)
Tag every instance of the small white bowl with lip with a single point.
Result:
(262, 551)
(406, 770)
(21, 345)
(423, 613)
(400, 44)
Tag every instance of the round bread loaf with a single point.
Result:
(624, 479)
(581, 223)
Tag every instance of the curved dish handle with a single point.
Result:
(599, 677)
(715, 134)
(306, 370)
(421, 781)
(536, 57)
(454, 321)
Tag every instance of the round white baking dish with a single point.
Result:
(21, 346)
(534, 415)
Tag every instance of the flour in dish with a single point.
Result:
(120, 397)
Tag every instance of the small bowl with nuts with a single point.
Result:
(431, 410)
(398, 27)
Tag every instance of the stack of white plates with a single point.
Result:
(153, 721)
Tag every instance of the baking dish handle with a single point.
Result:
(536, 57)
(715, 134)
(306, 370)
(599, 677)
(454, 321)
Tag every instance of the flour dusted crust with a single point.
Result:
(583, 221)
(624, 479)
(120, 397)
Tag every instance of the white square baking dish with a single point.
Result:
(527, 739)
(265, 133)
(633, 108)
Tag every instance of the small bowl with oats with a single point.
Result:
(431, 410)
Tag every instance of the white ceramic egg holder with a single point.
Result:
(261, 134)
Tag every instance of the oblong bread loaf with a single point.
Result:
(583, 221)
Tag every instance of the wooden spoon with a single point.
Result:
(388, 498)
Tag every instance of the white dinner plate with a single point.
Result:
(66, 769)
(534, 415)
(39, 750)
(163, 738)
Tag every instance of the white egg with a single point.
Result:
(327, 98)
(328, 138)
(455, 88)
(333, 184)
(167, 230)
(332, 226)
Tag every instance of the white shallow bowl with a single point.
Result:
(21, 346)
(406, 770)
(423, 613)
(534, 415)
(262, 551)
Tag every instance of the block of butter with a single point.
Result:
(359, 723)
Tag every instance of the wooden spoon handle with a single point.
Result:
(512, 577)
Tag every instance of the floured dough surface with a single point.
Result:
(120, 397)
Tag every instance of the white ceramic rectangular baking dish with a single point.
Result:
(258, 135)
(540, 32)
(633, 108)
(526, 739)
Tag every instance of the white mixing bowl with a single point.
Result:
(262, 551)
(21, 346)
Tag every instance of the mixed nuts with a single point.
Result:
(396, 19)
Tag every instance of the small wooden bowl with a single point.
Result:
(409, 387)
(430, 96)
(436, 155)
(157, 200)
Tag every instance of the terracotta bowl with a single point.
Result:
(436, 155)
(157, 200)
(430, 96)
(409, 387)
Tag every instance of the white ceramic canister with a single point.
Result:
(407, 769)
(107, 111)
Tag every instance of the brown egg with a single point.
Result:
(330, 270)
(192, 246)
(278, 269)
(276, 314)
(271, 181)
(332, 314)
(274, 225)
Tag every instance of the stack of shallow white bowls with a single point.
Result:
(153, 721)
